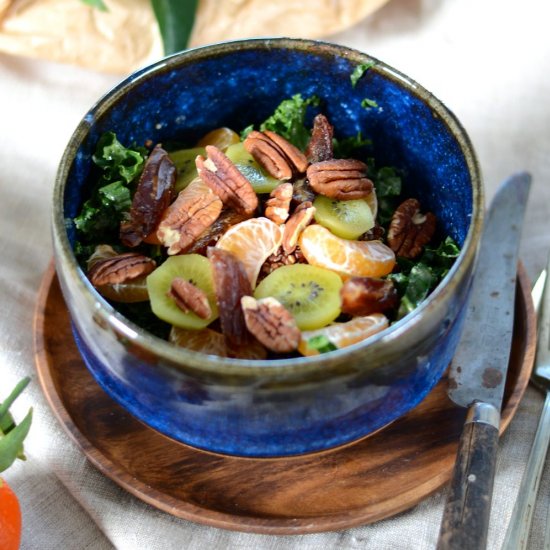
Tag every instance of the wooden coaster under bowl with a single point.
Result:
(363, 482)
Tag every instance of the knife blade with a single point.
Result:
(478, 371)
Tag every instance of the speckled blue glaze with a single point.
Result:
(283, 407)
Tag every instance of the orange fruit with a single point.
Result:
(347, 258)
(204, 340)
(252, 242)
(10, 518)
(211, 342)
(222, 138)
(341, 335)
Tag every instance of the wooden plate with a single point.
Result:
(368, 480)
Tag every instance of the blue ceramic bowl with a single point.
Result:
(288, 406)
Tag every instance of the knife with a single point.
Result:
(517, 535)
(478, 371)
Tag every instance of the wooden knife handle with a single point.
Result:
(466, 515)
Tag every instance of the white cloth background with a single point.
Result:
(488, 61)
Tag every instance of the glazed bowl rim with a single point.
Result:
(175, 356)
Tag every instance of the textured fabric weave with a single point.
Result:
(488, 61)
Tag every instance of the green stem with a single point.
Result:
(175, 19)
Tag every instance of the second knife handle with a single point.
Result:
(466, 515)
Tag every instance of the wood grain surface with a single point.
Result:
(368, 480)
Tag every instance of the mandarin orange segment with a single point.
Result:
(344, 334)
(222, 138)
(211, 342)
(252, 242)
(347, 258)
(205, 340)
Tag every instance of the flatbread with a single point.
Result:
(126, 37)
(230, 19)
(119, 40)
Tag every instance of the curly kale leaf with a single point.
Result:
(387, 182)
(116, 161)
(100, 216)
(350, 147)
(416, 279)
(359, 71)
(289, 118)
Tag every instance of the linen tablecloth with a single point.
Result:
(488, 61)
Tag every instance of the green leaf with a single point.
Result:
(288, 120)
(99, 217)
(419, 285)
(87, 220)
(96, 220)
(369, 104)
(400, 281)
(175, 19)
(12, 435)
(7, 423)
(246, 131)
(350, 146)
(98, 4)
(445, 254)
(387, 183)
(359, 71)
(11, 445)
(416, 278)
(116, 160)
(442, 258)
(321, 343)
(116, 196)
(16, 392)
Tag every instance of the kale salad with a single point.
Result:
(265, 242)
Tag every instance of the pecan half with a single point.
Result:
(225, 179)
(302, 217)
(231, 283)
(341, 179)
(189, 297)
(195, 209)
(366, 295)
(278, 204)
(277, 155)
(280, 258)
(271, 324)
(320, 145)
(410, 230)
(119, 269)
(374, 234)
(153, 195)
